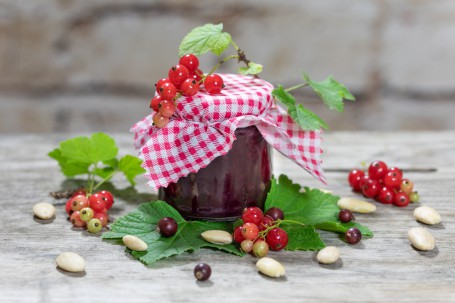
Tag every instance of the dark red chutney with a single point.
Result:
(221, 190)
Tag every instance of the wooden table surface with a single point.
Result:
(384, 268)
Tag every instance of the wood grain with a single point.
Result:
(382, 269)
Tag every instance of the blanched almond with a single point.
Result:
(134, 243)
(328, 255)
(270, 267)
(217, 236)
(71, 262)
(421, 238)
(356, 205)
(44, 210)
(427, 215)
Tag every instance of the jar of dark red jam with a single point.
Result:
(221, 190)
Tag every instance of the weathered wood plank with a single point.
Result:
(384, 268)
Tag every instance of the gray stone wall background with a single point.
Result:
(90, 65)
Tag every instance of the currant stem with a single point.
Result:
(296, 87)
(235, 45)
(106, 179)
(91, 180)
(219, 64)
(263, 233)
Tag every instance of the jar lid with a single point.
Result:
(204, 125)
(241, 96)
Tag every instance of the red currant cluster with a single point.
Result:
(183, 79)
(89, 212)
(260, 232)
(385, 184)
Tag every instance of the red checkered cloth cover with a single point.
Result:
(204, 127)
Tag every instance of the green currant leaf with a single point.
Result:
(303, 238)
(340, 227)
(142, 223)
(302, 116)
(203, 39)
(331, 92)
(131, 167)
(252, 69)
(100, 147)
(69, 168)
(284, 97)
(309, 120)
(309, 207)
(112, 163)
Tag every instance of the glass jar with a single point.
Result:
(221, 190)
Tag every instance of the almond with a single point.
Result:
(427, 215)
(71, 262)
(356, 205)
(217, 236)
(134, 243)
(44, 210)
(328, 255)
(421, 239)
(270, 267)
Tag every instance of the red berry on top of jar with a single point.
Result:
(213, 84)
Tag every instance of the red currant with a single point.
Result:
(370, 188)
(363, 180)
(75, 219)
(385, 195)
(108, 198)
(377, 170)
(277, 239)
(167, 91)
(345, 216)
(354, 178)
(178, 73)
(160, 121)
(96, 202)
(252, 215)
(246, 245)
(167, 108)
(250, 231)
(266, 222)
(79, 192)
(155, 102)
(213, 84)
(397, 171)
(260, 248)
(392, 179)
(79, 202)
(103, 217)
(167, 227)
(406, 186)
(275, 213)
(189, 87)
(237, 235)
(190, 61)
(160, 83)
(401, 199)
(197, 75)
(68, 207)
(353, 235)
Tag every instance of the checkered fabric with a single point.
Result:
(204, 125)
